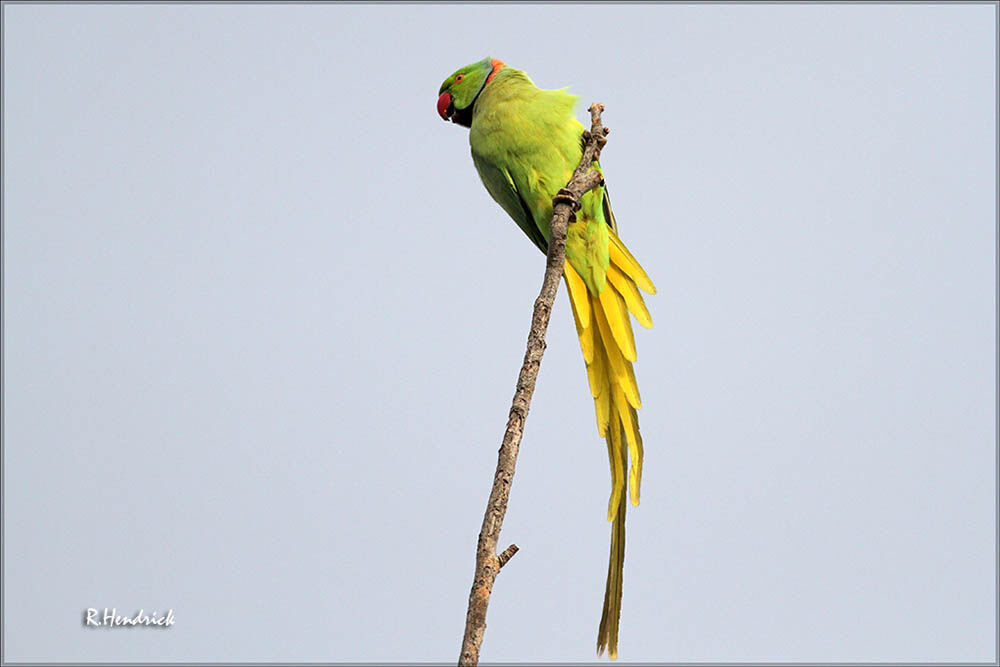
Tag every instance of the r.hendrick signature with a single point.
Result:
(111, 619)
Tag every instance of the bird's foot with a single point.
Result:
(564, 196)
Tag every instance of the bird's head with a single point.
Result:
(458, 93)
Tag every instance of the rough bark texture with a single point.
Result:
(488, 563)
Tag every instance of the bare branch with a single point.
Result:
(488, 564)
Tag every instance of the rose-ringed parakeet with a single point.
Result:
(526, 143)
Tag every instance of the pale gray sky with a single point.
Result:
(262, 327)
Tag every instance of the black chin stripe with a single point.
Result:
(464, 116)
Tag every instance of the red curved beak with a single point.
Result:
(445, 109)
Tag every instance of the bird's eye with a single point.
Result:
(459, 78)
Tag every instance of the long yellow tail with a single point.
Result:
(605, 332)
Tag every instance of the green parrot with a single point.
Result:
(526, 143)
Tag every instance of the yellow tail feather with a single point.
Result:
(621, 368)
(608, 344)
(631, 295)
(617, 461)
(578, 298)
(617, 317)
(630, 427)
(624, 260)
(607, 633)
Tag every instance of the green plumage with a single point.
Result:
(525, 145)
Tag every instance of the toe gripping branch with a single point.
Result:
(565, 196)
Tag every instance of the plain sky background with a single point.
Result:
(263, 323)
